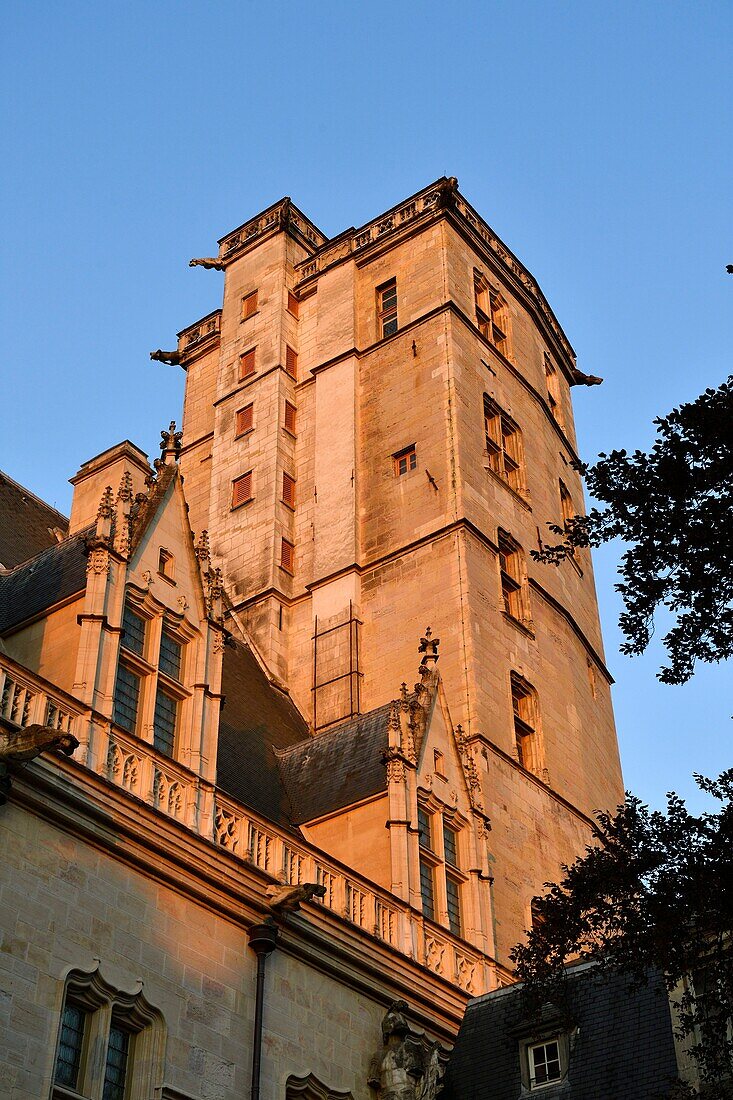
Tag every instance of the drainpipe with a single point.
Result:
(263, 941)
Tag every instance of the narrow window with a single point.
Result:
(288, 490)
(71, 1046)
(164, 723)
(450, 845)
(245, 420)
(115, 1069)
(499, 322)
(287, 555)
(524, 706)
(291, 361)
(537, 918)
(126, 698)
(544, 1063)
(503, 445)
(133, 631)
(513, 585)
(427, 890)
(553, 390)
(249, 305)
(166, 564)
(242, 490)
(453, 904)
(423, 824)
(387, 308)
(438, 762)
(247, 364)
(566, 505)
(481, 301)
(405, 461)
(170, 656)
(290, 418)
(293, 304)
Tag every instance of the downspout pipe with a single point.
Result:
(263, 941)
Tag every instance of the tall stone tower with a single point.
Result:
(377, 428)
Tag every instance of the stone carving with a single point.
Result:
(172, 358)
(288, 899)
(580, 379)
(209, 262)
(429, 648)
(170, 441)
(409, 1066)
(30, 742)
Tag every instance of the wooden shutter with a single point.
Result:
(247, 363)
(245, 419)
(291, 361)
(293, 304)
(289, 490)
(287, 555)
(242, 489)
(289, 418)
(249, 305)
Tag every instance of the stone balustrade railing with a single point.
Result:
(26, 701)
(203, 331)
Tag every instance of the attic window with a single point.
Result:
(439, 762)
(544, 1063)
(166, 564)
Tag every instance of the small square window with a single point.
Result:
(245, 420)
(405, 461)
(288, 490)
(544, 1063)
(287, 556)
(293, 304)
(249, 305)
(247, 364)
(242, 490)
(290, 412)
(291, 361)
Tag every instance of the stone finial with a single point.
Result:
(170, 444)
(172, 358)
(123, 514)
(105, 516)
(429, 649)
(215, 595)
(211, 263)
(202, 548)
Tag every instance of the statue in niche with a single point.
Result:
(409, 1066)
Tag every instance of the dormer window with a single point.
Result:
(170, 656)
(544, 1063)
(166, 564)
(440, 876)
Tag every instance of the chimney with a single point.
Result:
(99, 472)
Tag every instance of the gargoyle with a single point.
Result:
(30, 742)
(173, 358)
(288, 899)
(580, 379)
(209, 262)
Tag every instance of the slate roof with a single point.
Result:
(624, 1047)
(45, 580)
(26, 523)
(336, 769)
(256, 720)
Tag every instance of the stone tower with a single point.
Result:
(377, 428)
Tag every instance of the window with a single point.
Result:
(524, 707)
(513, 580)
(439, 762)
(503, 445)
(405, 461)
(133, 631)
(293, 304)
(245, 420)
(492, 314)
(291, 361)
(249, 305)
(440, 875)
(290, 411)
(544, 1063)
(242, 490)
(288, 490)
(566, 505)
(287, 556)
(553, 390)
(126, 698)
(166, 564)
(387, 309)
(164, 722)
(170, 656)
(427, 890)
(453, 904)
(247, 364)
(423, 824)
(450, 845)
(110, 1044)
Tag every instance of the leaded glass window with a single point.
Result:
(450, 845)
(71, 1045)
(427, 890)
(126, 699)
(423, 824)
(133, 626)
(453, 904)
(170, 656)
(164, 723)
(115, 1070)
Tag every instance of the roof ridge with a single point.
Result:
(30, 493)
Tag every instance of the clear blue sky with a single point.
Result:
(595, 139)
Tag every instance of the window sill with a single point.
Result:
(165, 577)
(288, 572)
(526, 628)
(292, 435)
(290, 507)
(242, 435)
(236, 507)
(248, 317)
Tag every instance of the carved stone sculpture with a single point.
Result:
(30, 742)
(209, 262)
(580, 379)
(173, 358)
(288, 899)
(409, 1066)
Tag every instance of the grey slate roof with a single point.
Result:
(336, 769)
(256, 719)
(26, 523)
(51, 576)
(624, 1047)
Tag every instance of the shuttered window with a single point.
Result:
(291, 361)
(242, 489)
(245, 420)
(287, 555)
(288, 490)
(292, 304)
(290, 418)
(247, 364)
(249, 305)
